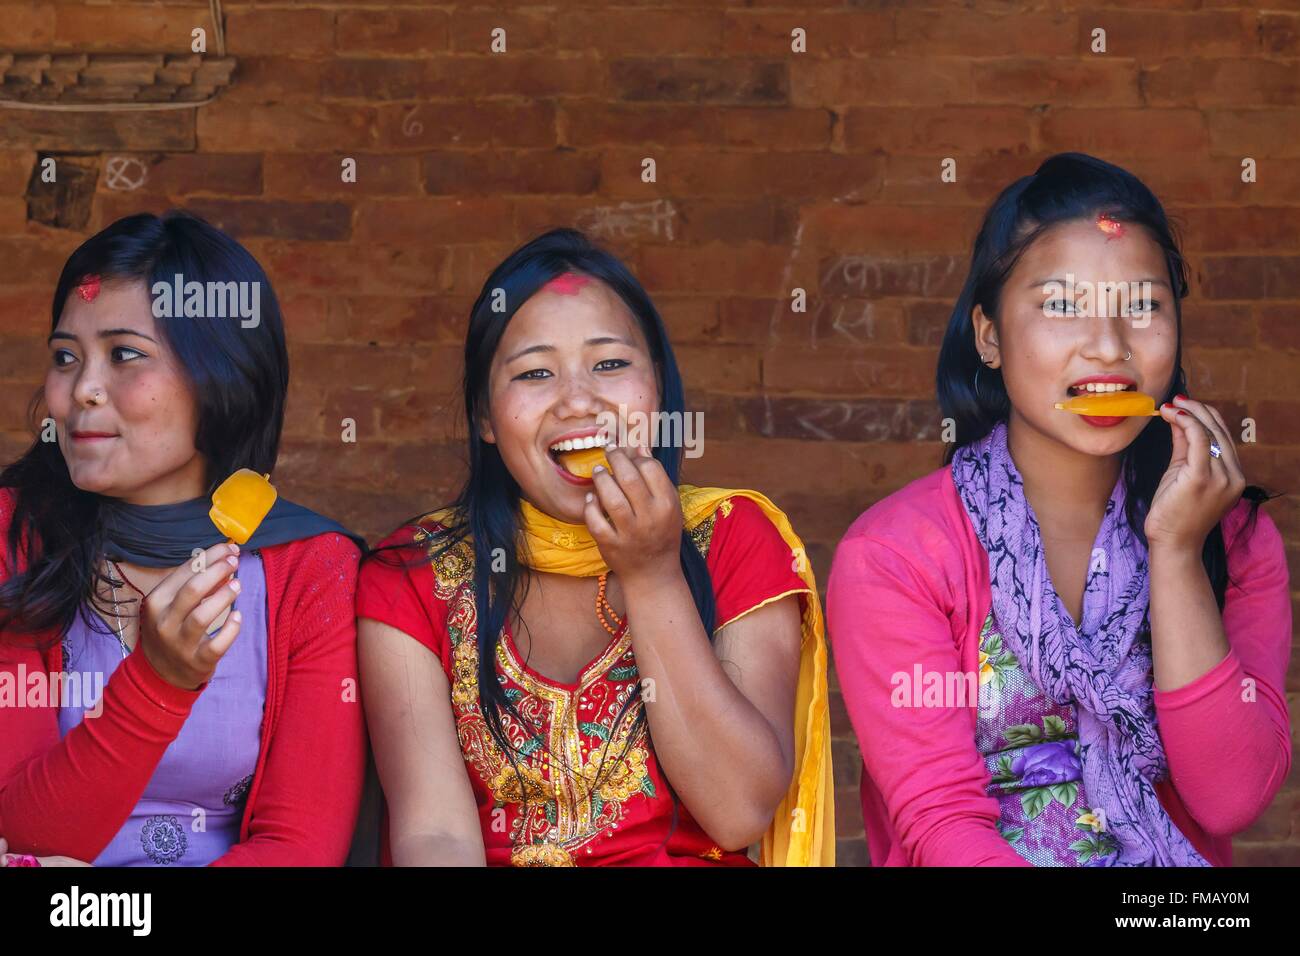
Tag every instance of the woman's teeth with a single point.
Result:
(1099, 387)
(574, 444)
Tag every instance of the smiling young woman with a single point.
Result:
(580, 662)
(207, 653)
(1108, 577)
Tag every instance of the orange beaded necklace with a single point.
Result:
(603, 608)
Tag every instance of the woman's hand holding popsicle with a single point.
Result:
(1197, 489)
(176, 615)
(635, 514)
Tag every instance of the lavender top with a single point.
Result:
(191, 810)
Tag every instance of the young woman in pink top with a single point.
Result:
(1067, 647)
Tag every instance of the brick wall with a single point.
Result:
(775, 170)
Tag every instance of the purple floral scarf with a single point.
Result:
(1103, 666)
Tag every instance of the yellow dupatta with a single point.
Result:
(803, 830)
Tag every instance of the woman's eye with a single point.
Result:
(1059, 307)
(60, 355)
(1143, 308)
(130, 353)
(609, 365)
(534, 374)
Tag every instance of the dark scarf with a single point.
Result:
(165, 536)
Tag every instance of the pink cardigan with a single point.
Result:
(910, 585)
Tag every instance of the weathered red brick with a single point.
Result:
(391, 32)
(684, 79)
(453, 219)
(82, 131)
(465, 125)
(827, 33)
(545, 172)
(276, 218)
(321, 174)
(278, 32)
(525, 31)
(129, 28)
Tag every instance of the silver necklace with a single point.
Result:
(117, 616)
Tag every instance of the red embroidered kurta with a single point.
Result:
(589, 790)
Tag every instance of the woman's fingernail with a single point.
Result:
(1182, 397)
(1182, 411)
(598, 468)
(234, 584)
(590, 496)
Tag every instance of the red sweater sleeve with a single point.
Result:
(1231, 723)
(69, 797)
(887, 616)
(305, 808)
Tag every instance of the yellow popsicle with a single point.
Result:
(1121, 404)
(240, 503)
(581, 461)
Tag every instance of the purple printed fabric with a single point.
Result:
(191, 811)
(1030, 746)
(1102, 667)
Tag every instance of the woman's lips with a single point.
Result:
(1103, 421)
(569, 476)
(91, 436)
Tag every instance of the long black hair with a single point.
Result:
(239, 377)
(486, 511)
(1066, 187)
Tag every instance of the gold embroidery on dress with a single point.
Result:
(454, 566)
(577, 761)
(702, 533)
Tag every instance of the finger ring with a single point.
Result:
(1215, 450)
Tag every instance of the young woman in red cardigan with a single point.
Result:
(166, 697)
(1069, 647)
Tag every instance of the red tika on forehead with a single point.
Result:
(570, 283)
(1113, 228)
(88, 288)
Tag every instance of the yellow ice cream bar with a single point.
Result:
(581, 461)
(1121, 404)
(240, 503)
